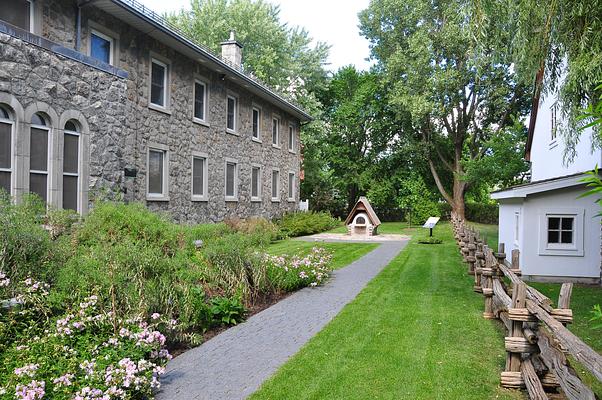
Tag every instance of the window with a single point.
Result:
(516, 227)
(71, 166)
(256, 183)
(199, 177)
(158, 95)
(101, 47)
(554, 122)
(157, 176)
(38, 157)
(275, 131)
(18, 13)
(291, 186)
(200, 100)
(6, 145)
(275, 185)
(560, 230)
(256, 123)
(291, 138)
(231, 114)
(231, 180)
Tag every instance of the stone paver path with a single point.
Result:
(233, 364)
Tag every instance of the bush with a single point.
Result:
(290, 273)
(417, 201)
(306, 223)
(483, 213)
(263, 230)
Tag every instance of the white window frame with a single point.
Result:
(166, 74)
(106, 37)
(10, 170)
(291, 138)
(236, 181)
(259, 111)
(158, 196)
(235, 98)
(277, 198)
(294, 185)
(275, 118)
(516, 228)
(202, 121)
(257, 198)
(49, 156)
(575, 249)
(79, 167)
(205, 195)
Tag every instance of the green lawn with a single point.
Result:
(415, 332)
(343, 253)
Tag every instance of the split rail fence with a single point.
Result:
(538, 341)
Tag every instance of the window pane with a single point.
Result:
(16, 13)
(70, 192)
(199, 101)
(274, 184)
(39, 150)
(231, 106)
(5, 181)
(553, 223)
(256, 123)
(158, 84)
(290, 138)
(5, 145)
(100, 48)
(567, 224)
(37, 119)
(70, 154)
(553, 236)
(230, 172)
(255, 182)
(70, 126)
(274, 131)
(291, 184)
(37, 185)
(155, 172)
(198, 171)
(567, 237)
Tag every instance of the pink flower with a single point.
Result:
(155, 316)
(33, 390)
(29, 370)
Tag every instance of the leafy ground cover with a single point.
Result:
(343, 254)
(415, 332)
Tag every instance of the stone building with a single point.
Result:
(103, 96)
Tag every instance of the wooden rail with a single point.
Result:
(538, 341)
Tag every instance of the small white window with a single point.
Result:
(200, 101)
(231, 110)
(291, 186)
(231, 179)
(561, 232)
(6, 152)
(291, 139)
(554, 122)
(102, 46)
(516, 227)
(71, 192)
(275, 185)
(199, 177)
(256, 120)
(18, 13)
(39, 155)
(157, 175)
(159, 80)
(276, 132)
(256, 183)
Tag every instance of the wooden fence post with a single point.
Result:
(470, 258)
(564, 313)
(488, 273)
(516, 262)
(480, 256)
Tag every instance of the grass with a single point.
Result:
(488, 232)
(415, 332)
(343, 253)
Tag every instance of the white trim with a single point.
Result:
(233, 131)
(277, 198)
(256, 199)
(257, 108)
(294, 186)
(574, 249)
(205, 195)
(106, 37)
(517, 221)
(166, 73)
(202, 121)
(291, 139)
(277, 144)
(538, 187)
(164, 195)
(236, 166)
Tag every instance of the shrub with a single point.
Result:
(227, 311)
(484, 213)
(261, 229)
(417, 201)
(306, 223)
(290, 273)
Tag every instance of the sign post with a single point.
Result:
(430, 223)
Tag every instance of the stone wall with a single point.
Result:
(122, 125)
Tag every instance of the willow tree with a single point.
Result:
(459, 95)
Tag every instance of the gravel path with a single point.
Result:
(233, 364)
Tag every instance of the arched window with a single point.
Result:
(71, 163)
(38, 156)
(6, 153)
(360, 221)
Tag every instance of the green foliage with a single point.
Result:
(417, 201)
(593, 182)
(596, 317)
(484, 213)
(306, 223)
(292, 272)
(430, 240)
(227, 311)
(261, 229)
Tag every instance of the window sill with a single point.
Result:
(161, 109)
(201, 122)
(231, 199)
(156, 198)
(292, 151)
(199, 199)
(275, 200)
(256, 140)
(276, 146)
(231, 132)
(291, 200)
(255, 200)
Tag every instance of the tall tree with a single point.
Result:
(458, 95)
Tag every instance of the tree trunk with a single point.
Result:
(352, 190)
(459, 205)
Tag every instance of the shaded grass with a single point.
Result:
(401, 228)
(488, 232)
(415, 332)
(343, 253)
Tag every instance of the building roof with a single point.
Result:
(545, 185)
(363, 205)
(156, 26)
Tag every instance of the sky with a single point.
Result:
(332, 21)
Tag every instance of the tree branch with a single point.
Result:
(442, 190)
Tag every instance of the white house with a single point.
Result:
(557, 233)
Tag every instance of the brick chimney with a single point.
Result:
(232, 51)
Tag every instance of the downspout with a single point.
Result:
(78, 28)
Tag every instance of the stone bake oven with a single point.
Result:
(362, 220)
